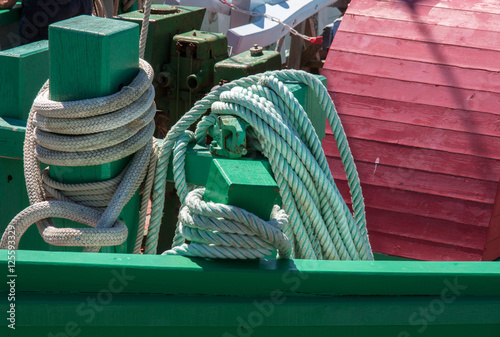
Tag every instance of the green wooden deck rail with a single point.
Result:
(62, 293)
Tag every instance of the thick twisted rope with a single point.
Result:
(82, 133)
(320, 223)
(223, 231)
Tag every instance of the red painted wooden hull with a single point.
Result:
(417, 86)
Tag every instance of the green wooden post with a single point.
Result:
(23, 70)
(92, 57)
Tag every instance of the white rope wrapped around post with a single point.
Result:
(83, 133)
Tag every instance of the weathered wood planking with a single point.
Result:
(455, 36)
(417, 87)
(407, 157)
(396, 111)
(416, 50)
(376, 174)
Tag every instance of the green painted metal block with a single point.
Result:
(197, 52)
(246, 64)
(164, 22)
(92, 57)
(23, 71)
(243, 183)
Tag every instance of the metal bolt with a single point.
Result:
(256, 50)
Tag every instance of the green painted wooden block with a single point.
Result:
(243, 183)
(23, 71)
(92, 57)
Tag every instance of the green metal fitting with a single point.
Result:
(229, 137)
(194, 57)
(251, 62)
(189, 75)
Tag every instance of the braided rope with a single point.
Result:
(82, 133)
(320, 224)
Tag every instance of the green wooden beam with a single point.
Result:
(71, 272)
(141, 315)
(144, 294)
(92, 57)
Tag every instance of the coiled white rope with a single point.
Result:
(83, 133)
(320, 224)
(224, 231)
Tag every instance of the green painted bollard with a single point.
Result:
(243, 183)
(92, 57)
(23, 70)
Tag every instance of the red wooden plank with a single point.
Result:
(434, 15)
(456, 36)
(421, 137)
(494, 225)
(377, 174)
(425, 229)
(492, 250)
(409, 158)
(417, 51)
(411, 92)
(416, 71)
(420, 250)
(469, 6)
(430, 206)
(417, 114)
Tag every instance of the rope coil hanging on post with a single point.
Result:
(83, 133)
(320, 224)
